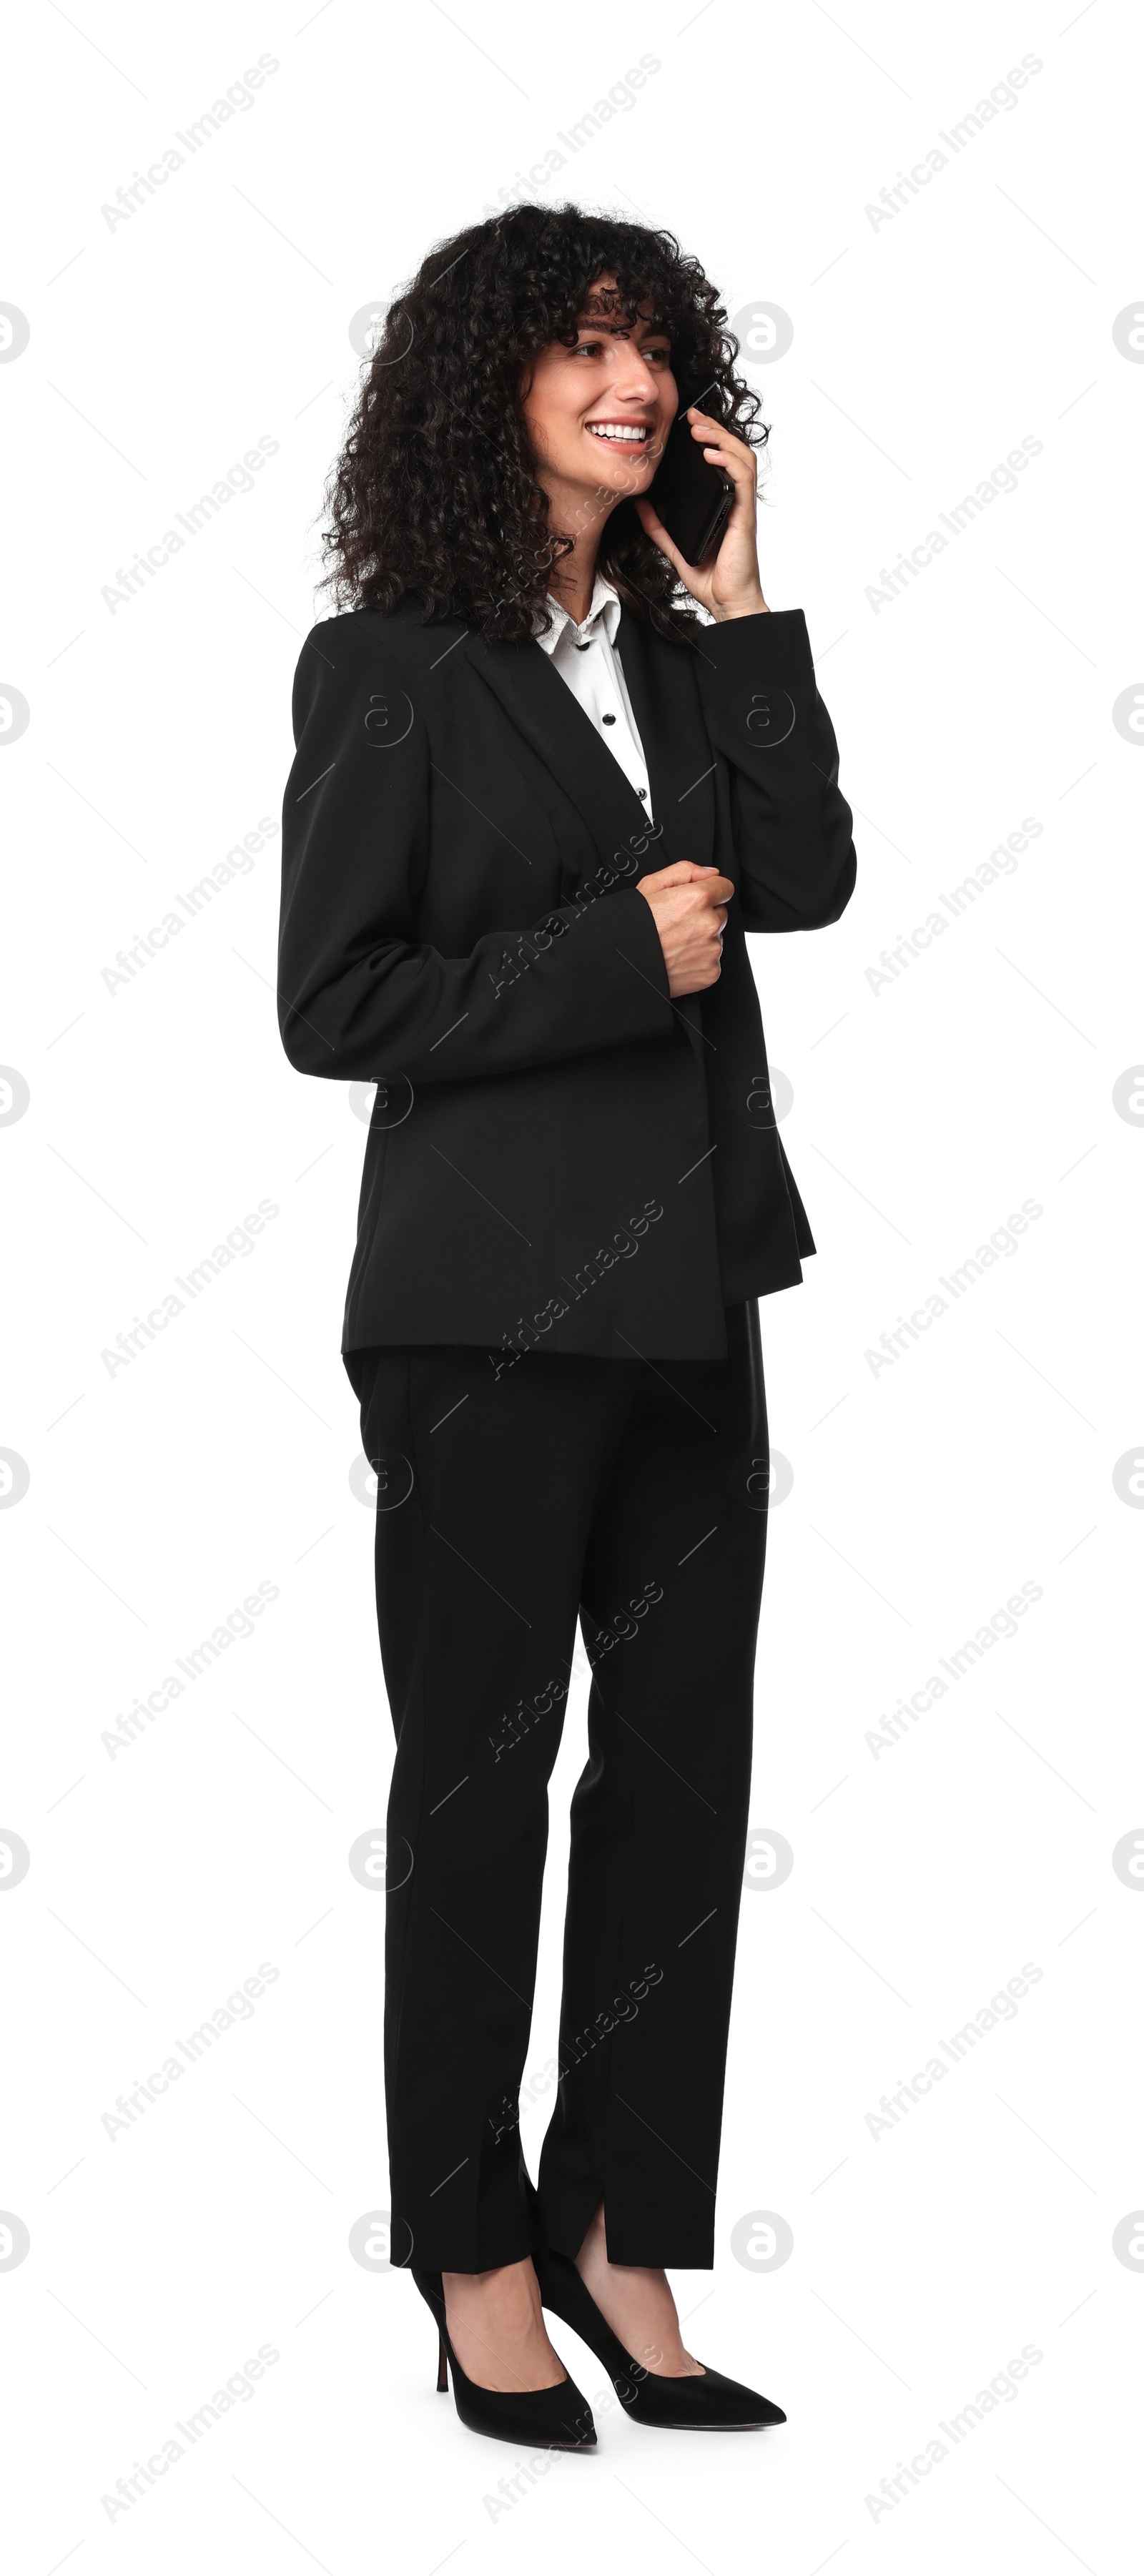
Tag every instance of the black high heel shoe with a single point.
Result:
(537, 2419)
(710, 2403)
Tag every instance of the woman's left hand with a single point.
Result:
(729, 585)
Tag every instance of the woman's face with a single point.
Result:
(598, 413)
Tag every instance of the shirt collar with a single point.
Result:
(604, 612)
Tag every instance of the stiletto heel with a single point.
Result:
(538, 2419)
(710, 2403)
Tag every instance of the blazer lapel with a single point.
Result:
(664, 692)
(666, 705)
(543, 709)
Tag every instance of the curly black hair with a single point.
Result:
(434, 495)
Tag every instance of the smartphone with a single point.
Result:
(693, 498)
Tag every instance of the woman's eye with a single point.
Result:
(593, 349)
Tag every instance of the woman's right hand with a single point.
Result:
(689, 909)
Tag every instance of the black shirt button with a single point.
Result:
(609, 719)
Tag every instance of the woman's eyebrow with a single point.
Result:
(597, 322)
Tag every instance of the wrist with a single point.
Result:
(754, 606)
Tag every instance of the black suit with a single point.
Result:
(557, 1148)
(567, 1176)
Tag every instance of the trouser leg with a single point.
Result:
(486, 1491)
(659, 1818)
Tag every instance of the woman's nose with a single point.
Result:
(634, 379)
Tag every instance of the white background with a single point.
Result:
(926, 1874)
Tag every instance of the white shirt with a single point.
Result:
(589, 664)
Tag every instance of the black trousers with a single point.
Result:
(513, 1496)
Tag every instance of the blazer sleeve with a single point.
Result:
(359, 996)
(791, 827)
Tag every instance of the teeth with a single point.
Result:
(630, 437)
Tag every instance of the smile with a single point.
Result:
(621, 433)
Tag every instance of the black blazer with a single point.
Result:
(559, 1156)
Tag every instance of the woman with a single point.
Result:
(536, 804)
